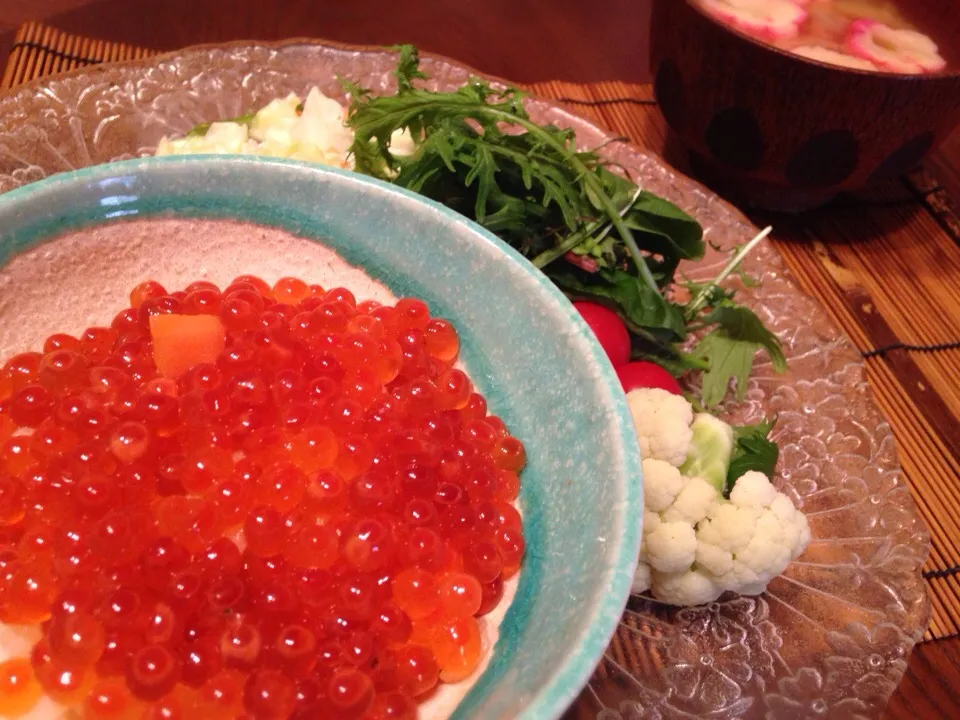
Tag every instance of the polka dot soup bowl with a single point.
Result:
(72, 246)
(776, 130)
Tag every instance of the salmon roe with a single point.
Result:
(308, 526)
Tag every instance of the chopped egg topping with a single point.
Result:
(310, 129)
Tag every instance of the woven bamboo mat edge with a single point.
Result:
(900, 358)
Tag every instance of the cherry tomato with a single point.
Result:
(609, 329)
(642, 374)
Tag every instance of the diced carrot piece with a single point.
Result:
(182, 341)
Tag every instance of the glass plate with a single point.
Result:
(830, 638)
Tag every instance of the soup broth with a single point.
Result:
(870, 35)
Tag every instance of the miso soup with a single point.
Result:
(871, 35)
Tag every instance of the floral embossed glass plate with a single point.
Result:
(831, 636)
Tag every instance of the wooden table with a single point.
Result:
(525, 40)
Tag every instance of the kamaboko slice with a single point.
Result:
(903, 51)
(768, 19)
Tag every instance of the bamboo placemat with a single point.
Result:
(896, 296)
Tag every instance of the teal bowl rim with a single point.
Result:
(580, 662)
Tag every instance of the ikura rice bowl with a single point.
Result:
(276, 492)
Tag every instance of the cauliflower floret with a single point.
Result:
(712, 559)
(691, 587)
(697, 500)
(671, 547)
(662, 420)
(696, 545)
(753, 489)
(662, 482)
(751, 539)
(730, 526)
(641, 579)
(796, 530)
(673, 506)
(651, 521)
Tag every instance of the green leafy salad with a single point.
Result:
(592, 231)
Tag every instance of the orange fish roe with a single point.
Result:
(372, 489)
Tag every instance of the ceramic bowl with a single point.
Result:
(773, 130)
(522, 343)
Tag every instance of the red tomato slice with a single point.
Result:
(642, 374)
(609, 329)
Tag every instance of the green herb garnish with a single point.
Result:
(752, 450)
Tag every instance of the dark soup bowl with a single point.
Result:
(778, 131)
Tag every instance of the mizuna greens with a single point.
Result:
(592, 231)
